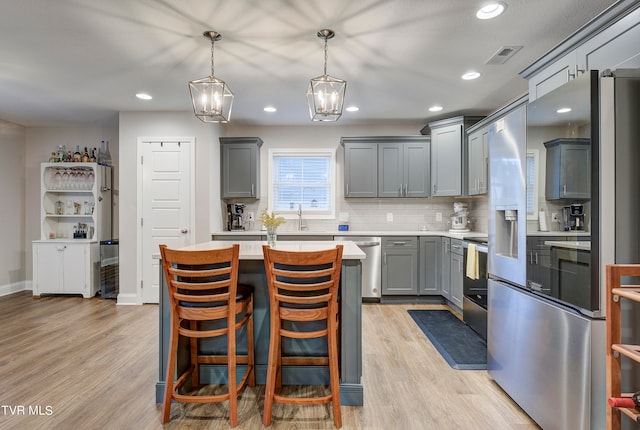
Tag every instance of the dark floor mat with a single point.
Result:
(458, 344)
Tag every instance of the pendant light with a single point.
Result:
(325, 94)
(211, 97)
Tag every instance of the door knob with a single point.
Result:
(184, 231)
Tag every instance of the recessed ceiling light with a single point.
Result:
(470, 76)
(491, 10)
(270, 109)
(353, 109)
(564, 110)
(435, 108)
(144, 96)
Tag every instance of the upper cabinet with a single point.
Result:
(448, 154)
(568, 169)
(386, 166)
(240, 167)
(609, 41)
(477, 161)
(360, 168)
(403, 169)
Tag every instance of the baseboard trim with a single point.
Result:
(15, 287)
(128, 299)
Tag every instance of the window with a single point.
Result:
(302, 178)
(532, 184)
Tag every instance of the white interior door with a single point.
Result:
(167, 204)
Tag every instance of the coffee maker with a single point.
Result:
(235, 216)
(573, 217)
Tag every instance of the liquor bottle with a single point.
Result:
(93, 156)
(77, 156)
(85, 155)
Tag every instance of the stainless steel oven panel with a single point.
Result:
(471, 287)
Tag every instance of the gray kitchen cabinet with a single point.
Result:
(360, 168)
(400, 265)
(609, 41)
(477, 161)
(457, 272)
(403, 169)
(240, 167)
(568, 173)
(386, 166)
(445, 268)
(430, 265)
(448, 154)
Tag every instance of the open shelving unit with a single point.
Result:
(615, 348)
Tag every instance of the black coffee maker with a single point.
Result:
(573, 217)
(235, 216)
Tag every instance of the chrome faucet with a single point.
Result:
(300, 223)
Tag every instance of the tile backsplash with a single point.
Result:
(372, 215)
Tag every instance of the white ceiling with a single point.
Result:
(69, 62)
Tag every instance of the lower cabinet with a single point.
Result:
(430, 265)
(457, 272)
(445, 272)
(65, 268)
(400, 266)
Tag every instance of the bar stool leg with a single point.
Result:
(272, 369)
(171, 367)
(250, 346)
(332, 338)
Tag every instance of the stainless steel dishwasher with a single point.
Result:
(371, 267)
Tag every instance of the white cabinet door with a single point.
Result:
(47, 267)
(74, 263)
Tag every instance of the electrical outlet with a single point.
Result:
(554, 217)
(438, 216)
(390, 216)
(251, 216)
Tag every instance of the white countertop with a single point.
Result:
(582, 245)
(252, 250)
(444, 233)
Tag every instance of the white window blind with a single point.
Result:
(302, 178)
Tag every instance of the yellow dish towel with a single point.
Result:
(472, 262)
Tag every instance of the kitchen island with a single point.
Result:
(251, 271)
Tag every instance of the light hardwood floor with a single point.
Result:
(75, 363)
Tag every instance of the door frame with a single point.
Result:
(139, 198)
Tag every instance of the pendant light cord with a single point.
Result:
(212, 51)
(325, 55)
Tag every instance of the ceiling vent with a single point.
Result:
(503, 54)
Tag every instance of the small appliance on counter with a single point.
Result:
(573, 217)
(235, 216)
(459, 220)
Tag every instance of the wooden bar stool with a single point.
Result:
(206, 302)
(303, 290)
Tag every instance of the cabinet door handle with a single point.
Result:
(536, 258)
(400, 243)
(564, 190)
(253, 194)
(184, 231)
(406, 190)
(61, 248)
(570, 75)
(347, 194)
(385, 258)
(434, 188)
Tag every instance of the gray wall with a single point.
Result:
(13, 264)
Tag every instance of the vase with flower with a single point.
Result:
(271, 222)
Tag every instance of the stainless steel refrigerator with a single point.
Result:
(546, 329)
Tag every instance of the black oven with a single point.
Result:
(474, 302)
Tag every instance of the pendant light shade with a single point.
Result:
(211, 97)
(325, 94)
